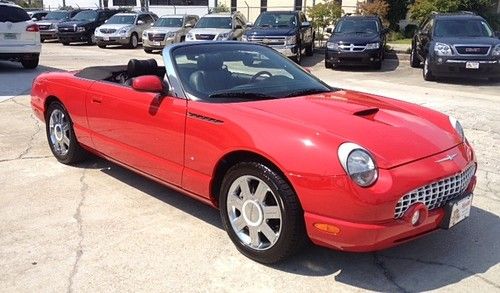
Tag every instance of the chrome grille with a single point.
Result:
(156, 37)
(204, 37)
(108, 30)
(352, 47)
(268, 40)
(436, 194)
(478, 50)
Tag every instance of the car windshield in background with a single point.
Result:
(168, 22)
(57, 15)
(13, 14)
(462, 28)
(357, 26)
(276, 20)
(214, 22)
(85, 15)
(121, 19)
(241, 72)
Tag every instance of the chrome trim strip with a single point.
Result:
(479, 61)
(471, 45)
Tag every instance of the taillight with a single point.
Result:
(33, 28)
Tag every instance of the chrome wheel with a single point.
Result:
(134, 41)
(59, 132)
(254, 213)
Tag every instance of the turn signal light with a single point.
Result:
(416, 214)
(327, 228)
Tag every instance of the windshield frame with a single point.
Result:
(178, 85)
(201, 20)
(482, 22)
(359, 20)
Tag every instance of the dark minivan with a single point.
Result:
(356, 40)
(456, 44)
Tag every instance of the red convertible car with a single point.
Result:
(285, 157)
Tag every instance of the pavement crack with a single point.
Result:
(438, 263)
(78, 217)
(26, 158)
(32, 138)
(381, 265)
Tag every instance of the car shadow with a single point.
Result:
(432, 262)
(467, 81)
(16, 80)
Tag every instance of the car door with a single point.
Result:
(139, 129)
(423, 38)
(238, 27)
(305, 31)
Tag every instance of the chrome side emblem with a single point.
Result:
(351, 47)
(447, 158)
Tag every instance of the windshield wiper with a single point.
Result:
(241, 95)
(306, 92)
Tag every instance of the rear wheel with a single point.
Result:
(298, 57)
(261, 213)
(102, 46)
(414, 62)
(328, 65)
(134, 41)
(65, 43)
(30, 63)
(310, 49)
(61, 136)
(149, 51)
(426, 71)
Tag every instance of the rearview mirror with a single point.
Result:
(149, 83)
(305, 24)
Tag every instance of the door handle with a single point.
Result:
(96, 100)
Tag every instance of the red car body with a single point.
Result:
(182, 144)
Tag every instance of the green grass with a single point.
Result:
(401, 42)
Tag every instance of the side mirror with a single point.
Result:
(329, 30)
(140, 22)
(188, 25)
(250, 24)
(238, 27)
(149, 83)
(34, 19)
(305, 24)
(424, 33)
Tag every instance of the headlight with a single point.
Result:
(442, 49)
(458, 127)
(144, 34)
(190, 37)
(80, 29)
(332, 45)
(291, 40)
(373, 46)
(496, 50)
(170, 34)
(244, 38)
(123, 31)
(223, 36)
(358, 164)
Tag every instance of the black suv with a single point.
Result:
(458, 44)
(81, 27)
(356, 40)
(288, 32)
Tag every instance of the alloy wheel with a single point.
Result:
(59, 130)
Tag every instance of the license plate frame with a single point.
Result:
(457, 210)
(472, 65)
(156, 43)
(105, 38)
(9, 36)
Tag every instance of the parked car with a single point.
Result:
(282, 155)
(356, 40)
(288, 32)
(218, 27)
(81, 27)
(48, 25)
(19, 36)
(168, 29)
(458, 44)
(37, 15)
(124, 29)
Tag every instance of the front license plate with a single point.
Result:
(156, 43)
(9, 36)
(457, 211)
(106, 38)
(472, 65)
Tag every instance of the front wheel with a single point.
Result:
(328, 65)
(414, 62)
(61, 135)
(261, 213)
(426, 71)
(134, 41)
(298, 57)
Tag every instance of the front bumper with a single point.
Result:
(365, 217)
(366, 57)
(156, 45)
(115, 40)
(48, 34)
(73, 37)
(456, 67)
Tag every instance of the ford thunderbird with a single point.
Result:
(286, 158)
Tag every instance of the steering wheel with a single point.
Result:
(254, 78)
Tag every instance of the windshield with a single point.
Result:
(121, 19)
(214, 22)
(168, 22)
(276, 20)
(462, 28)
(88, 15)
(241, 72)
(57, 15)
(357, 26)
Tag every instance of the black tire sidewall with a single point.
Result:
(271, 178)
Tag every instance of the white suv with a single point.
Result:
(19, 36)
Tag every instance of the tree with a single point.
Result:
(220, 8)
(324, 14)
(397, 11)
(377, 7)
(422, 8)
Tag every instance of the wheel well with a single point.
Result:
(231, 159)
(49, 100)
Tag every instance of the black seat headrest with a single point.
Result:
(209, 62)
(142, 67)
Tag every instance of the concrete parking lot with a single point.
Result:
(98, 227)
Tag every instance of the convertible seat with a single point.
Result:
(141, 67)
(210, 76)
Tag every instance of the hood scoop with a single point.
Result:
(368, 113)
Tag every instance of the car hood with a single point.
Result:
(271, 31)
(353, 38)
(472, 41)
(115, 26)
(210, 31)
(394, 133)
(74, 23)
(162, 29)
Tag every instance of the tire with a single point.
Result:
(284, 221)
(149, 51)
(134, 41)
(102, 46)
(42, 40)
(426, 71)
(377, 65)
(414, 62)
(65, 43)
(30, 63)
(61, 136)
(328, 65)
(310, 49)
(91, 40)
(298, 57)
(183, 39)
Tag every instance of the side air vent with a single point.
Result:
(366, 112)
